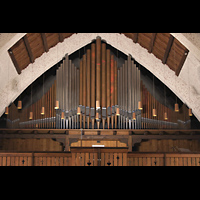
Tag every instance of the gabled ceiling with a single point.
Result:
(163, 45)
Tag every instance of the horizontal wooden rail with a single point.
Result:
(98, 157)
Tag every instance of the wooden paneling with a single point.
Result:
(52, 39)
(98, 157)
(162, 45)
(107, 143)
(30, 145)
(168, 145)
(144, 39)
(155, 43)
(21, 55)
(36, 44)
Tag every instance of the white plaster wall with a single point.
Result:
(12, 84)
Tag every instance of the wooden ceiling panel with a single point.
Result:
(66, 35)
(176, 55)
(162, 45)
(144, 39)
(36, 44)
(52, 39)
(21, 55)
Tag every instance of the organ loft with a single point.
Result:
(98, 104)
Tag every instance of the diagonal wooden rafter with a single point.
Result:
(135, 37)
(28, 48)
(61, 38)
(44, 40)
(169, 45)
(153, 37)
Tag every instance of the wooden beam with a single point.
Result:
(28, 48)
(181, 62)
(169, 45)
(44, 39)
(153, 37)
(135, 37)
(61, 38)
(14, 61)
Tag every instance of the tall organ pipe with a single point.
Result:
(93, 75)
(103, 84)
(108, 86)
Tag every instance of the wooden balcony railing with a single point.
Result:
(98, 157)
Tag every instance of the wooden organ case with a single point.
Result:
(98, 94)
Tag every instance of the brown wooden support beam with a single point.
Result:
(28, 48)
(61, 38)
(169, 45)
(153, 37)
(135, 37)
(44, 39)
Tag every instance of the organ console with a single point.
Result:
(98, 94)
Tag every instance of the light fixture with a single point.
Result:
(97, 116)
(78, 110)
(165, 116)
(7, 110)
(62, 115)
(190, 112)
(19, 105)
(57, 105)
(117, 111)
(134, 116)
(42, 111)
(31, 115)
(176, 107)
(97, 104)
(154, 112)
(139, 105)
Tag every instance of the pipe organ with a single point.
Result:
(98, 94)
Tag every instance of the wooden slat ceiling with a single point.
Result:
(163, 45)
